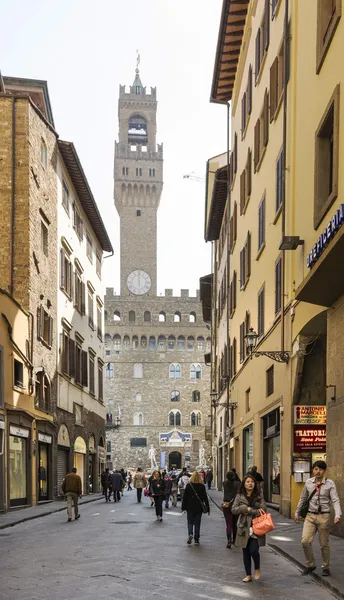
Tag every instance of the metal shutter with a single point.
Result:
(62, 468)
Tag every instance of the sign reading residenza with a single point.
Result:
(310, 415)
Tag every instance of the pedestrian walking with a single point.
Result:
(158, 491)
(249, 503)
(116, 485)
(203, 473)
(129, 480)
(237, 478)
(195, 502)
(209, 478)
(256, 475)
(182, 472)
(105, 481)
(317, 497)
(124, 478)
(230, 490)
(140, 483)
(183, 481)
(168, 489)
(150, 479)
(174, 490)
(72, 487)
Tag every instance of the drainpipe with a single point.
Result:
(285, 97)
(228, 274)
(13, 196)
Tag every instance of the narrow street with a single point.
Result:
(120, 551)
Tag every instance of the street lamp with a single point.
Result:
(251, 339)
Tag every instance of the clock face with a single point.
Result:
(139, 282)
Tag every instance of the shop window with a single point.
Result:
(191, 342)
(181, 342)
(261, 311)
(162, 317)
(328, 16)
(131, 316)
(278, 285)
(196, 372)
(147, 316)
(138, 371)
(326, 160)
(45, 325)
(175, 396)
(192, 317)
(152, 342)
(270, 381)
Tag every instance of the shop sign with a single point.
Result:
(63, 437)
(101, 453)
(19, 432)
(310, 415)
(47, 439)
(325, 237)
(80, 445)
(309, 438)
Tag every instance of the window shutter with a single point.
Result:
(71, 370)
(234, 356)
(257, 56)
(249, 91)
(248, 252)
(235, 221)
(273, 88)
(234, 289)
(50, 333)
(62, 269)
(243, 115)
(256, 145)
(83, 298)
(242, 268)
(266, 119)
(261, 224)
(261, 312)
(231, 231)
(39, 334)
(71, 280)
(242, 342)
(266, 26)
(84, 368)
(235, 166)
(278, 285)
(279, 181)
(248, 174)
(242, 191)
(81, 229)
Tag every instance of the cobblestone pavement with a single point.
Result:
(120, 551)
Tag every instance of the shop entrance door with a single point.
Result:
(18, 470)
(43, 472)
(91, 470)
(175, 460)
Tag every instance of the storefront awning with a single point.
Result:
(324, 283)
(206, 283)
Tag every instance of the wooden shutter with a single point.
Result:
(62, 269)
(261, 224)
(266, 119)
(81, 229)
(257, 57)
(235, 221)
(243, 115)
(234, 356)
(248, 175)
(278, 286)
(266, 26)
(234, 289)
(279, 171)
(235, 166)
(71, 370)
(50, 331)
(84, 358)
(71, 281)
(242, 341)
(242, 191)
(249, 91)
(256, 145)
(242, 268)
(83, 298)
(231, 232)
(273, 88)
(248, 255)
(247, 327)
(261, 312)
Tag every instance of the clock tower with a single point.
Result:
(138, 185)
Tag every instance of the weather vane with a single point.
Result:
(138, 60)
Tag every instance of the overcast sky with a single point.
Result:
(85, 50)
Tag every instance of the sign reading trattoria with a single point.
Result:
(307, 439)
(310, 415)
(326, 236)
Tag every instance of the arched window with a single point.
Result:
(135, 341)
(143, 341)
(177, 317)
(138, 396)
(191, 342)
(171, 419)
(126, 341)
(196, 396)
(138, 370)
(109, 370)
(200, 343)
(175, 371)
(42, 391)
(208, 347)
(195, 372)
(175, 396)
(178, 418)
(171, 342)
(107, 340)
(196, 418)
(147, 316)
(137, 127)
(138, 418)
(162, 317)
(174, 418)
(192, 317)
(178, 371)
(195, 446)
(181, 342)
(131, 316)
(117, 341)
(152, 342)
(172, 371)
(117, 315)
(161, 343)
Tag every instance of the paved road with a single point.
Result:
(119, 551)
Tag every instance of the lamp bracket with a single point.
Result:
(276, 355)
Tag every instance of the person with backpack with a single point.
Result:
(195, 502)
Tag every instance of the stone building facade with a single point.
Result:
(156, 380)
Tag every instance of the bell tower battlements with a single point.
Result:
(138, 173)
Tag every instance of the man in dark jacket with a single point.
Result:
(105, 480)
(209, 478)
(116, 484)
(72, 487)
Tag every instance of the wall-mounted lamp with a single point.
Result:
(251, 342)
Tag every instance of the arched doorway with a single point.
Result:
(175, 460)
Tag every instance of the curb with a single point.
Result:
(44, 514)
(317, 578)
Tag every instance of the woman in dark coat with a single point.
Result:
(249, 503)
(195, 497)
(158, 492)
(230, 490)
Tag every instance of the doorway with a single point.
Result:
(43, 472)
(174, 460)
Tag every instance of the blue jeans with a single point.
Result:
(194, 522)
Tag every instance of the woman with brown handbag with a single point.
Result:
(249, 503)
(230, 490)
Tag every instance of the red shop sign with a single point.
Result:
(308, 438)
